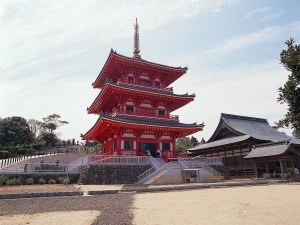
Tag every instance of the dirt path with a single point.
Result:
(271, 204)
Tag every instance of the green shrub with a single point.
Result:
(14, 181)
(18, 181)
(63, 180)
(29, 181)
(42, 181)
(66, 180)
(52, 181)
(3, 180)
(291, 173)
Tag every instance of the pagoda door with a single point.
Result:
(149, 147)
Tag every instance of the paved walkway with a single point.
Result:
(86, 190)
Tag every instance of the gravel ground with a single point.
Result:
(115, 209)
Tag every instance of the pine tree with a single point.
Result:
(290, 92)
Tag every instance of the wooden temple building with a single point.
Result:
(249, 145)
(135, 105)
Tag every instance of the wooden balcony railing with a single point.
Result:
(149, 85)
(147, 113)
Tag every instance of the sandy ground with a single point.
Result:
(272, 204)
(52, 218)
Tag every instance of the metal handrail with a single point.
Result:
(159, 172)
(199, 163)
(182, 162)
(148, 172)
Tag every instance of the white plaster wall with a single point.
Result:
(203, 173)
(128, 135)
(145, 105)
(147, 136)
(165, 137)
(173, 173)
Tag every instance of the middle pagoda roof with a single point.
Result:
(112, 91)
(116, 64)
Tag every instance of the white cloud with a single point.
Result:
(245, 41)
(256, 12)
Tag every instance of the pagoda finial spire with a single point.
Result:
(136, 44)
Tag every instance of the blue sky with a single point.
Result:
(52, 51)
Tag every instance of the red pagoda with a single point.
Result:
(134, 105)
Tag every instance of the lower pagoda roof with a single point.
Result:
(105, 120)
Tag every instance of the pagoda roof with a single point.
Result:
(105, 120)
(117, 61)
(179, 99)
(235, 128)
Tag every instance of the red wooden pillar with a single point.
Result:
(119, 151)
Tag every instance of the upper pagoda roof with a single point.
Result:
(142, 91)
(116, 63)
(235, 128)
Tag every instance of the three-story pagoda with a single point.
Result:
(135, 105)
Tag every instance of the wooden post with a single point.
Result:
(281, 168)
(267, 168)
(292, 163)
(255, 170)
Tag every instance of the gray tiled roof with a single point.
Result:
(243, 127)
(221, 142)
(270, 149)
(256, 127)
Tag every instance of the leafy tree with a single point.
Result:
(184, 143)
(290, 92)
(35, 127)
(194, 141)
(49, 125)
(49, 139)
(52, 122)
(15, 131)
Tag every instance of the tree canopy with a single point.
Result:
(289, 93)
(52, 122)
(184, 143)
(15, 131)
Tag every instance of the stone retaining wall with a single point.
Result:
(111, 174)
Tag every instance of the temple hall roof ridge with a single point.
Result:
(233, 116)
